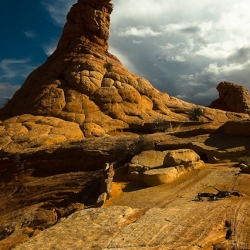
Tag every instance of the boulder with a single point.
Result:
(159, 167)
(155, 177)
(232, 97)
(237, 128)
(147, 159)
(179, 157)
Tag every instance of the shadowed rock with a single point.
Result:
(233, 97)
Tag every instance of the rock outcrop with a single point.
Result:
(49, 168)
(164, 218)
(233, 97)
(83, 83)
(159, 167)
(240, 128)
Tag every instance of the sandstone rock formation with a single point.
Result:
(82, 82)
(155, 177)
(164, 218)
(157, 167)
(233, 97)
(240, 128)
(41, 185)
(180, 157)
(49, 168)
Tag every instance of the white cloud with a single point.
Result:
(58, 9)
(138, 31)
(168, 46)
(29, 34)
(217, 50)
(141, 9)
(10, 68)
(50, 48)
(137, 42)
(215, 69)
(176, 58)
(191, 83)
(7, 90)
(183, 27)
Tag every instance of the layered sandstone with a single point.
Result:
(164, 218)
(49, 168)
(232, 97)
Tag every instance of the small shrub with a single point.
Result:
(245, 160)
(161, 125)
(195, 114)
(108, 65)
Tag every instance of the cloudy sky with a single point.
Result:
(184, 47)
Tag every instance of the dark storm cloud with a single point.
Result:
(240, 56)
(190, 30)
(184, 51)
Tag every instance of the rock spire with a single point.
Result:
(82, 82)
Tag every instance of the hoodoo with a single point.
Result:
(82, 82)
(232, 97)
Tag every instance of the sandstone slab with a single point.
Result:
(145, 160)
(171, 221)
(180, 157)
(239, 128)
(159, 176)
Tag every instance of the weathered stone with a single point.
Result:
(233, 97)
(148, 159)
(155, 177)
(87, 222)
(236, 128)
(180, 157)
(27, 131)
(106, 185)
(135, 176)
(170, 221)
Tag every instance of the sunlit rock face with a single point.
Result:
(82, 82)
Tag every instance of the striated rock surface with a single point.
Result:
(233, 97)
(159, 167)
(165, 217)
(41, 185)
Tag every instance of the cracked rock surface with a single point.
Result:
(163, 217)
